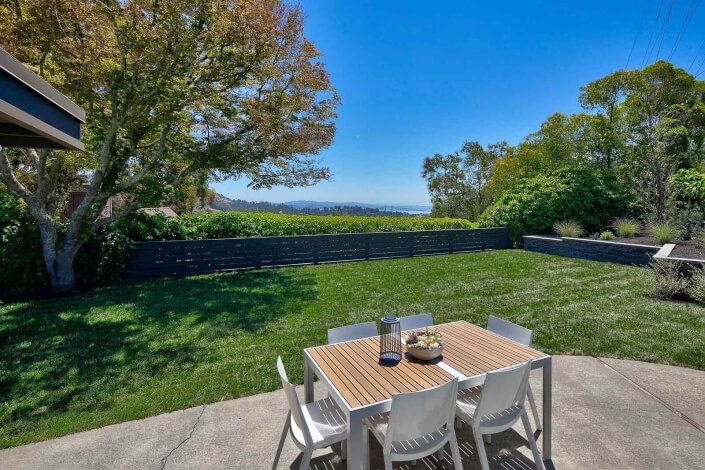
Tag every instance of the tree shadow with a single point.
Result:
(77, 352)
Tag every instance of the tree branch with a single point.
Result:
(11, 180)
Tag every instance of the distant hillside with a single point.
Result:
(223, 203)
(408, 209)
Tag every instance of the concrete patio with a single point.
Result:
(607, 414)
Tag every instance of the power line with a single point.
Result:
(686, 22)
(648, 46)
(697, 54)
(665, 25)
(638, 31)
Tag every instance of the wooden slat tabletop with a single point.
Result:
(353, 367)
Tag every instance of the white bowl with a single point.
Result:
(425, 354)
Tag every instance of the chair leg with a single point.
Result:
(535, 412)
(481, 452)
(344, 450)
(455, 452)
(488, 439)
(281, 441)
(458, 423)
(538, 460)
(306, 459)
(387, 462)
(441, 454)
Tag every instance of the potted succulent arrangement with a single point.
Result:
(425, 344)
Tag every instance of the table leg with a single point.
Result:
(547, 405)
(308, 381)
(358, 452)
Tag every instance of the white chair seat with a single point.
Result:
(467, 404)
(410, 449)
(326, 423)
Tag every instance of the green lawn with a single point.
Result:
(139, 349)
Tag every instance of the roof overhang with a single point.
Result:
(33, 113)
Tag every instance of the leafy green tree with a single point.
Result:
(656, 118)
(176, 93)
(457, 182)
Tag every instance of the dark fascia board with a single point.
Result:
(51, 119)
(17, 69)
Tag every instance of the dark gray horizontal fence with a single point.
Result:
(178, 258)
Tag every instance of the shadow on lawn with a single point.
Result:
(78, 351)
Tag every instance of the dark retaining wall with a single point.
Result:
(182, 257)
(596, 250)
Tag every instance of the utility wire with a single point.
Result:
(697, 54)
(686, 22)
(665, 25)
(651, 36)
(638, 31)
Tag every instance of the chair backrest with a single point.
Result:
(510, 330)
(503, 389)
(294, 404)
(351, 332)
(418, 414)
(411, 322)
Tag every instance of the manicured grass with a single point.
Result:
(135, 350)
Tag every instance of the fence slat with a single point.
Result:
(184, 257)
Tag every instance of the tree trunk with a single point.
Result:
(58, 262)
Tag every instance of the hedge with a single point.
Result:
(104, 255)
(577, 195)
(141, 227)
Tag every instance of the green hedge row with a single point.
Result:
(141, 227)
(104, 255)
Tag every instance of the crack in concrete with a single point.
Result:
(670, 408)
(193, 429)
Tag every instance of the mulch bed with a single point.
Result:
(688, 249)
(684, 248)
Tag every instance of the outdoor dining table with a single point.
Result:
(363, 387)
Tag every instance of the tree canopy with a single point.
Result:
(638, 126)
(176, 94)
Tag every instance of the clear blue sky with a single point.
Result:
(419, 77)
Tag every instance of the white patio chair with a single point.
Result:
(314, 426)
(411, 322)
(351, 332)
(419, 424)
(520, 335)
(496, 406)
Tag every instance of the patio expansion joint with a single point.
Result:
(193, 429)
(670, 408)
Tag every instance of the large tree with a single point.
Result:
(176, 92)
(457, 181)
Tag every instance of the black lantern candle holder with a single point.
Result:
(390, 340)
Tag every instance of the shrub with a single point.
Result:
(690, 220)
(668, 279)
(535, 205)
(568, 229)
(22, 271)
(696, 290)
(231, 224)
(627, 227)
(606, 235)
(664, 232)
(21, 261)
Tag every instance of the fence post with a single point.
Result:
(412, 242)
(450, 242)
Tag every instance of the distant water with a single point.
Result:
(407, 210)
